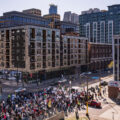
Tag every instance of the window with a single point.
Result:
(49, 45)
(57, 34)
(57, 51)
(65, 56)
(65, 40)
(94, 31)
(39, 45)
(39, 51)
(49, 58)
(38, 65)
(57, 57)
(39, 32)
(49, 51)
(65, 63)
(87, 28)
(110, 31)
(49, 64)
(57, 45)
(71, 56)
(65, 51)
(38, 58)
(49, 33)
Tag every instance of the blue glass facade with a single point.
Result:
(18, 18)
(67, 27)
(107, 25)
(53, 9)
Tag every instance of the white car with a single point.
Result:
(11, 78)
(20, 90)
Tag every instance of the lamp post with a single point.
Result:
(85, 75)
(87, 100)
(0, 90)
(70, 85)
(100, 80)
(100, 84)
(17, 78)
(22, 80)
(113, 115)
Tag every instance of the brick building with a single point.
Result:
(34, 49)
(100, 56)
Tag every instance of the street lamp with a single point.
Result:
(84, 75)
(70, 85)
(100, 82)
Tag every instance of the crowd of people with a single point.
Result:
(43, 104)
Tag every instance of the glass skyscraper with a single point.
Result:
(100, 26)
(53, 9)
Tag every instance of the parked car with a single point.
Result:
(11, 78)
(94, 103)
(20, 90)
(104, 83)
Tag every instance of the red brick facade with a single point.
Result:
(113, 92)
(99, 56)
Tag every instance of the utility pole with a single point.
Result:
(87, 100)
(17, 71)
(37, 78)
(0, 90)
(22, 81)
(100, 81)
(87, 114)
(70, 85)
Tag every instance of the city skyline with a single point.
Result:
(75, 7)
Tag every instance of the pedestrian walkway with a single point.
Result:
(81, 117)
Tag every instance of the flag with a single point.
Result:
(110, 65)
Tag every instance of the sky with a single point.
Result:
(75, 6)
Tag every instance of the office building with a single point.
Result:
(52, 17)
(116, 57)
(67, 16)
(99, 26)
(71, 17)
(75, 18)
(67, 27)
(15, 18)
(53, 9)
(33, 11)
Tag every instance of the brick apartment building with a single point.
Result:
(34, 49)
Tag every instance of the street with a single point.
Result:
(109, 110)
